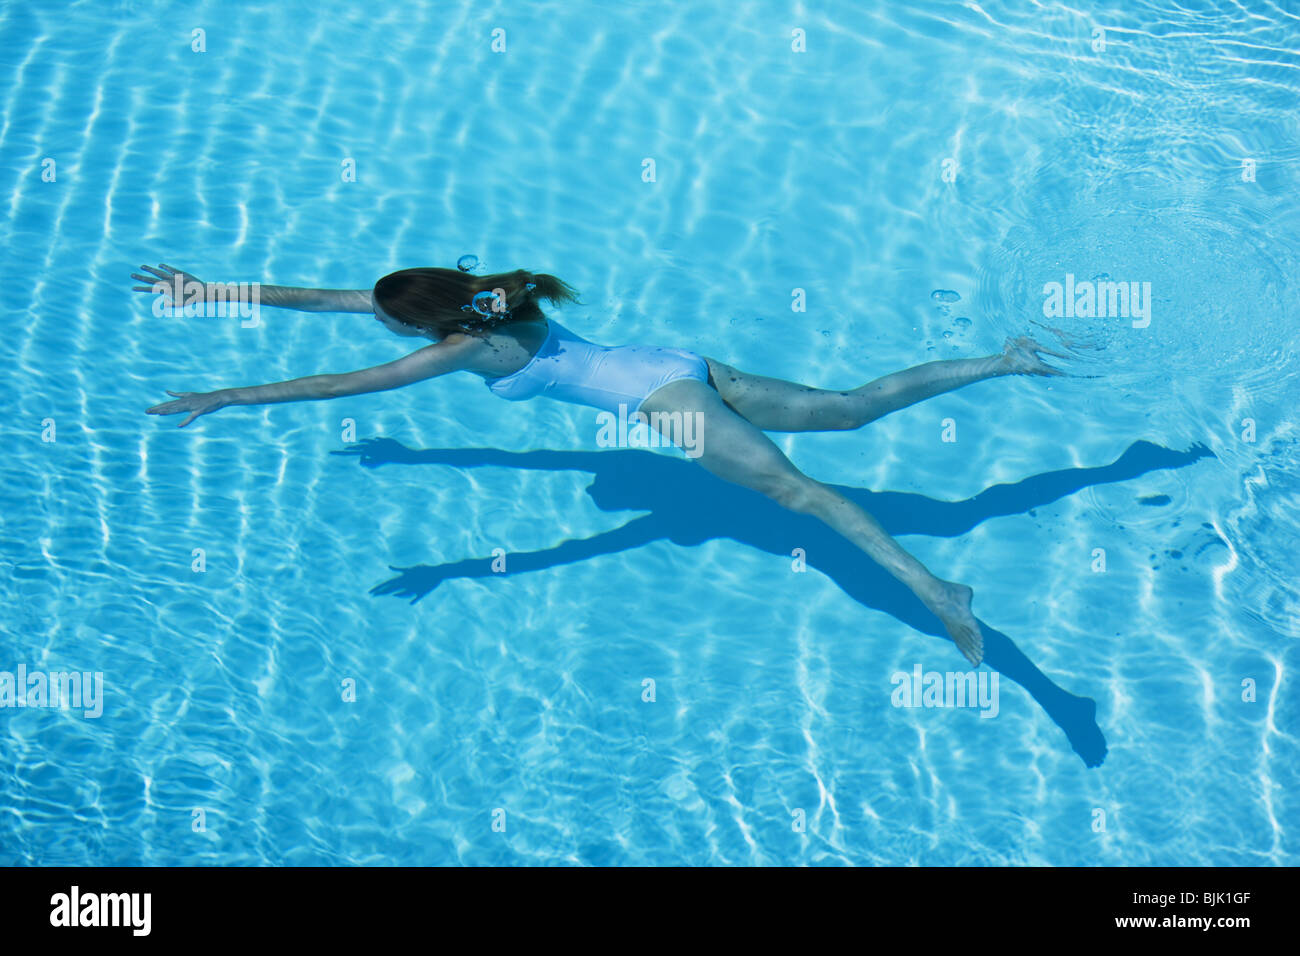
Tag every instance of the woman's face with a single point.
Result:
(394, 326)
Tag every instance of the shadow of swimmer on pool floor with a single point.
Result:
(689, 506)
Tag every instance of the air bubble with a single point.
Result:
(945, 295)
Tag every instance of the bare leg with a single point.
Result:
(779, 406)
(735, 450)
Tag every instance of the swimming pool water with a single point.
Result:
(920, 172)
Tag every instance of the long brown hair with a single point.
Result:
(431, 299)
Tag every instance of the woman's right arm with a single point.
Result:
(165, 278)
(441, 358)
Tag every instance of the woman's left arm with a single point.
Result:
(179, 288)
(428, 362)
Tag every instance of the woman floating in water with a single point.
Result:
(492, 326)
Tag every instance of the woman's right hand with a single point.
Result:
(196, 403)
(163, 279)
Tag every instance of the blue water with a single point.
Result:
(481, 697)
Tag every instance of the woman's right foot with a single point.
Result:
(952, 607)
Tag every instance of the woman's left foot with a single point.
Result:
(951, 605)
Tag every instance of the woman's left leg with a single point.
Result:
(779, 406)
(736, 451)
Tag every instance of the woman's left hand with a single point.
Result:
(196, 403)
(164, 280)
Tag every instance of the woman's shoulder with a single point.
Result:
(509, 331)
(530, 333)
(501, 350)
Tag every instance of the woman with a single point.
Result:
(493, 326)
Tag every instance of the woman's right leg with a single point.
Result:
(736, 450)
(775, 405)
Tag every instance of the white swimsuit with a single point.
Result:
(570, 369)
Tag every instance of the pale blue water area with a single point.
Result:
(1175, 449)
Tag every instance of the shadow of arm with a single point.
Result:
(418, 581)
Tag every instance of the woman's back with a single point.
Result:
(568, 368)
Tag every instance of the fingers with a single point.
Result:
(1068, 341)
(164, 275)
(1033, 345)
(157, 280)
(153, 284)
(1046, 351)
(171, 408)
(184, 402)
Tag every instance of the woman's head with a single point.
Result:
(432, 301)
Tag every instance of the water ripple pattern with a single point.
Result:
(306, 657)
